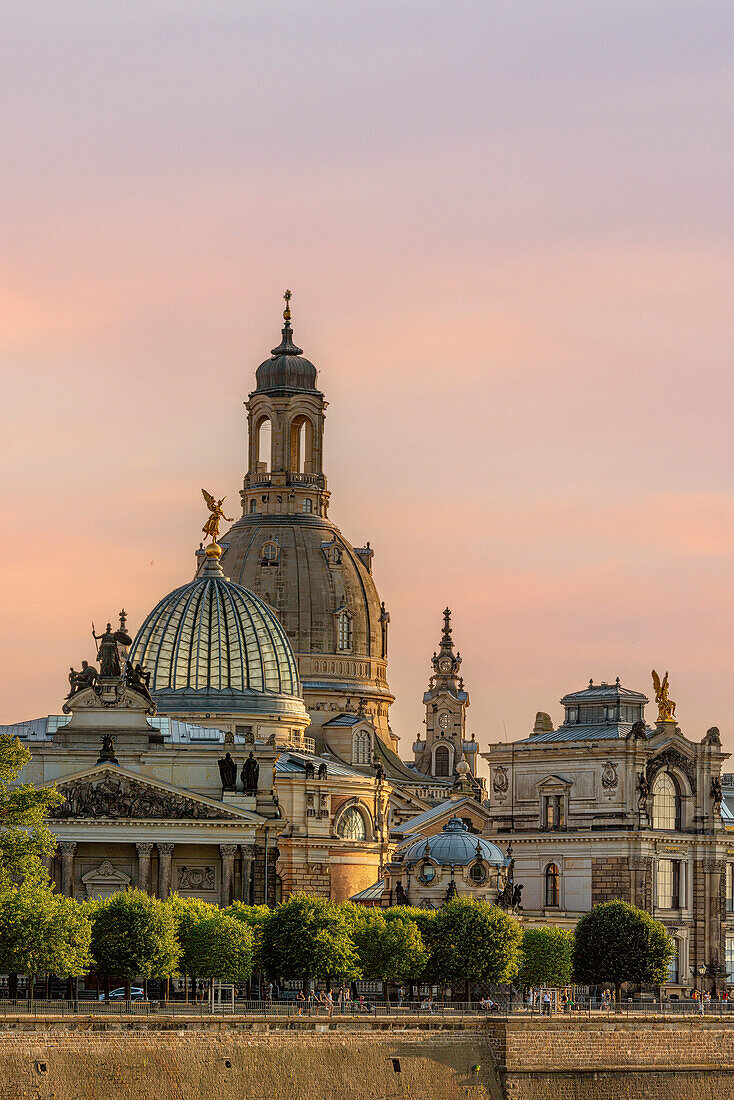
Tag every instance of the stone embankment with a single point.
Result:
(128, 1058)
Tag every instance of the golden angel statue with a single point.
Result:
(216, 515)
(666, 706)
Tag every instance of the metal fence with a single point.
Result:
(369, 1009)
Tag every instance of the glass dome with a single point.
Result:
(214, 645)
(455, 844)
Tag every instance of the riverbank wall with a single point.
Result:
(128, 1058)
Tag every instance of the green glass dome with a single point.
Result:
(212, 645)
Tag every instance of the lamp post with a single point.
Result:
(701, 971)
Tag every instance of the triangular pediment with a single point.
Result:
(553, 781)
(108, 792)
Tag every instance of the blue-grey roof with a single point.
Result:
(609, 731)
(213, 645)
(344, 720)
(372, 893)
(597, 693)
(415, 824)
(455, 844)
(727, 808)
(295, 762)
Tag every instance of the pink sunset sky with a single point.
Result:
(507, 227)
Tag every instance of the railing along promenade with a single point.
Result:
(375, 1010)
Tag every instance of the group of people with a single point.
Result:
(314, 1002)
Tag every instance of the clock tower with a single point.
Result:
(445, 702)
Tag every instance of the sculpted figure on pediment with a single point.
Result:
(112, 796)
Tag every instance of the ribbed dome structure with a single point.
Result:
(287, 369)
(454, 844)
(213, 645)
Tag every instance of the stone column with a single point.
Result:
(248, 855)
(165, 851)
(228, 852)
(68, 847)
(144, 851)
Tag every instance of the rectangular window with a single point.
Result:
(548, 812)
(554, 811)
(673, 965)
(668, 884)
(730, 887)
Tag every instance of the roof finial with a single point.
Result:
(287, 311)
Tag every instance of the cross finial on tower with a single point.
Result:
(123, 621)
(287, 311)
(447, 622)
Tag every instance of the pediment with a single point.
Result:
(553, 781)
(111, 793)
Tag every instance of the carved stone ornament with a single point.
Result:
(672, 758)
(609, 779)
(196, 878)
(499, 779)
(117, 796)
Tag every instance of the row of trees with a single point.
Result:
(133, 936)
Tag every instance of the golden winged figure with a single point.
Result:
(216, 515)
(666, 706)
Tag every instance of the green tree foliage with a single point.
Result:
(220, 946)
(390, 950)
(616, 942)
(308, 937)
(42, 933)
(545, 957)
(24, 837)
(255, 917)
(474, 941)
(134, 936)
(186, 913)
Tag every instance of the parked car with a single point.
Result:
(136, 994)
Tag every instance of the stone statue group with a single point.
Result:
(111, 654)
(249, 775)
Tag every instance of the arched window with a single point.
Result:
(264, 444)
(351, 825)
(428, 872)
(308, 505)
(441, 760)
(665, 803)
(344, 630)
(476, 874)
(552, 885)
(301, 457)
(253, 507)
(361, 747)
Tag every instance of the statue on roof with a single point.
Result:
(139, 680)
(250, 773)
(216, 515)
(80, 680)
(108, 653)
(666, 706)
(228, 773)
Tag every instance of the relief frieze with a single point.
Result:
(113, 796)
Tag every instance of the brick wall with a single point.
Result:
(610, 880)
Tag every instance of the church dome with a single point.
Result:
(212, 645)
(287, 369)
(454, 845)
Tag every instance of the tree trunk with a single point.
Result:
(107, 989)
(127, 989)
(467, 990)
(31, 986)
(13, 985)
(617, 994)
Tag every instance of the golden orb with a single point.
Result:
(213, 550)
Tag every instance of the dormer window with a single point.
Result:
(344, 630)
(270, 554)
(361, 747)
(572, 714)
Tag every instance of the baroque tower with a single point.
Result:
(285, 549)
(445, 702)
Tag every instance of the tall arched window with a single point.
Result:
(351, 825)
(344, 630)
(666, 804)
(552, 885)
(264, 443)
(361, 747)
(441, 760)
(301, 457)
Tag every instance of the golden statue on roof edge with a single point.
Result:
(666, 706)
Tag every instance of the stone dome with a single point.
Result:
(287, 369)
(454, 844)
(212, 645)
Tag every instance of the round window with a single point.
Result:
(428, 872)
(351, 825)
(476, 874)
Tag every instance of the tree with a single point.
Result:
(220, 946)
(308, 937)
(187, 912)
(474, 941)
(255, 917)
(545, 957)
(390, 950)
(42, 933)
(616, 942)
(134, 936)
(24, 837)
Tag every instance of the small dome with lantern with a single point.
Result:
(454, 845)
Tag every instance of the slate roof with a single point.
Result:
(416, 823)
(609, 731)
(597, 693)
(343, 720)
(295, 762)
(372, 893)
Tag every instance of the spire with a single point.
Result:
(446, 663)
(286, 346)
(446, 640)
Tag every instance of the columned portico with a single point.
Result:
(144, 852)
(248, 855)
(228, 852)
(165, 854)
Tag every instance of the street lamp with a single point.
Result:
(701, 971)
